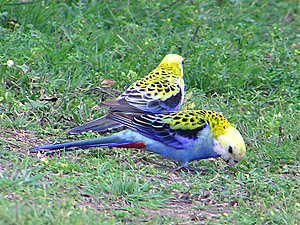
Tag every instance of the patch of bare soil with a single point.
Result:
(20, 139)
(181, 206)
(191, 209)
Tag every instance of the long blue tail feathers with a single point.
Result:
(110, 141)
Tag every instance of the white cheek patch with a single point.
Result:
(218, 148)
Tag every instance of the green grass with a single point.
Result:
(241, 58)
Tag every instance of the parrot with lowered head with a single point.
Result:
(181, 136)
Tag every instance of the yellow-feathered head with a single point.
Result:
(232, 148)
(173, 59)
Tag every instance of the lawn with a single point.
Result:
(59, 59)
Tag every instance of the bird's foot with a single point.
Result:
(188, 168)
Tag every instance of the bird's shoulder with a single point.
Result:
(175, 129)
(155, 86)
(186, 120)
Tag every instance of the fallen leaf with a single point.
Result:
(106, 83)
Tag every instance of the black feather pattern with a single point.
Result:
(155, 127)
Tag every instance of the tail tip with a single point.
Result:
(74, 131)
(34, 150)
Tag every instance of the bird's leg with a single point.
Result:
(185, 166)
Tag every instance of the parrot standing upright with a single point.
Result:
(181, 136)
(161, 91)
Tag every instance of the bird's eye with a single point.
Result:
(182, 62)
(235, 161)
(230, 149)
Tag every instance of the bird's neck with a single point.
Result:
(171, 67)
(218, 124)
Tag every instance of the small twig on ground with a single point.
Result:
(240, 125)
(195, 33)
(101, 90)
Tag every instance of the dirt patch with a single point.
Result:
(180, 207)
(184, 206)
(187, 213)
(16, 141)
(19, 139)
